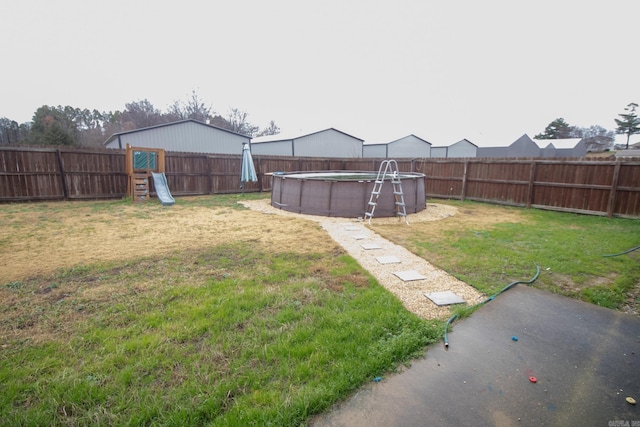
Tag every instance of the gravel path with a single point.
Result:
(369, 249)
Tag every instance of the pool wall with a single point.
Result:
(315, 193)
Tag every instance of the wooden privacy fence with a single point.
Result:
(600, 187)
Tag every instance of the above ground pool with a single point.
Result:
(343, 193)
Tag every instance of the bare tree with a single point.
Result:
(239, 124)
(194, 108)
(272, 129)
(596, 138)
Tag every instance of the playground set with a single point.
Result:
(143, 164)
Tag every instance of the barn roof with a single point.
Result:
(464, 140)
(289, 137)
(179, 122)
(566, 143)
(396, 140)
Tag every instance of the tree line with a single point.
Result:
(69, 126)
(595, 137)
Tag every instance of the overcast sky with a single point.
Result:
(488, 71)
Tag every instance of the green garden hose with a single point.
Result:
(491, 298)
(622, 253)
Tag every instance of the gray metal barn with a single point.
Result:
(189, 136)
(462, 148)
(325, 143)
(524, 147)
(409, 147)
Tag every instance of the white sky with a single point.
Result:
(488, 71)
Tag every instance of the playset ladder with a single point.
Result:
(140, 187)
(387, 167)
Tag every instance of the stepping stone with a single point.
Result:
(409, 275)
(352, 228)
(369, 246)
(445, 298)
(388, 259)
(360, 237)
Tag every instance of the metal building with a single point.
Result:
(462, 148)
(439, 152)
(524, 147)
(325, 143)
(409, 147)
(189, 136)
(569, 147)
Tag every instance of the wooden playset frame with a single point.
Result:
(138, 177)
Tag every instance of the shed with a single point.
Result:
(185, 135)
(408, 147)
(325, 143)
(462, 148)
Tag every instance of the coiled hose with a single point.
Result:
(491, 298)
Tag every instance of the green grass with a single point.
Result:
(232, 335)
(240, 334)
(568, 248)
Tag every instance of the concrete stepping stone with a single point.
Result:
(445, 298)
(360, 237)
(388, 259)
(370, 246)
(409, 275)
(352, 228)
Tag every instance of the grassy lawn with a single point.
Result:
(235, 333)
(232, 330)
(570, 250)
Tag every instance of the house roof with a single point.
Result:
(289, 137)
(525, 139)
(115, 135)
(566, 143)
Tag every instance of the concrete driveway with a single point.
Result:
(585, 361)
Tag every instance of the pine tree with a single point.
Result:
(630, 122)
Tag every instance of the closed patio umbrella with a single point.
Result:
(248, 172)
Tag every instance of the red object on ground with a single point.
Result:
(533, 379)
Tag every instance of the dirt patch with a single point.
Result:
(39, 242)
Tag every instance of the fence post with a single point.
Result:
(209, 178)
(614, 188)
(260, 176)
(532, 177)
(65, 192)
(464, 180)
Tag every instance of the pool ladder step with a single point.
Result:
(387, 167)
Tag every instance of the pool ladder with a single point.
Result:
(387, 167)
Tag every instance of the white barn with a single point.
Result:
(325, 143)
(189, 136)
(409, 147)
